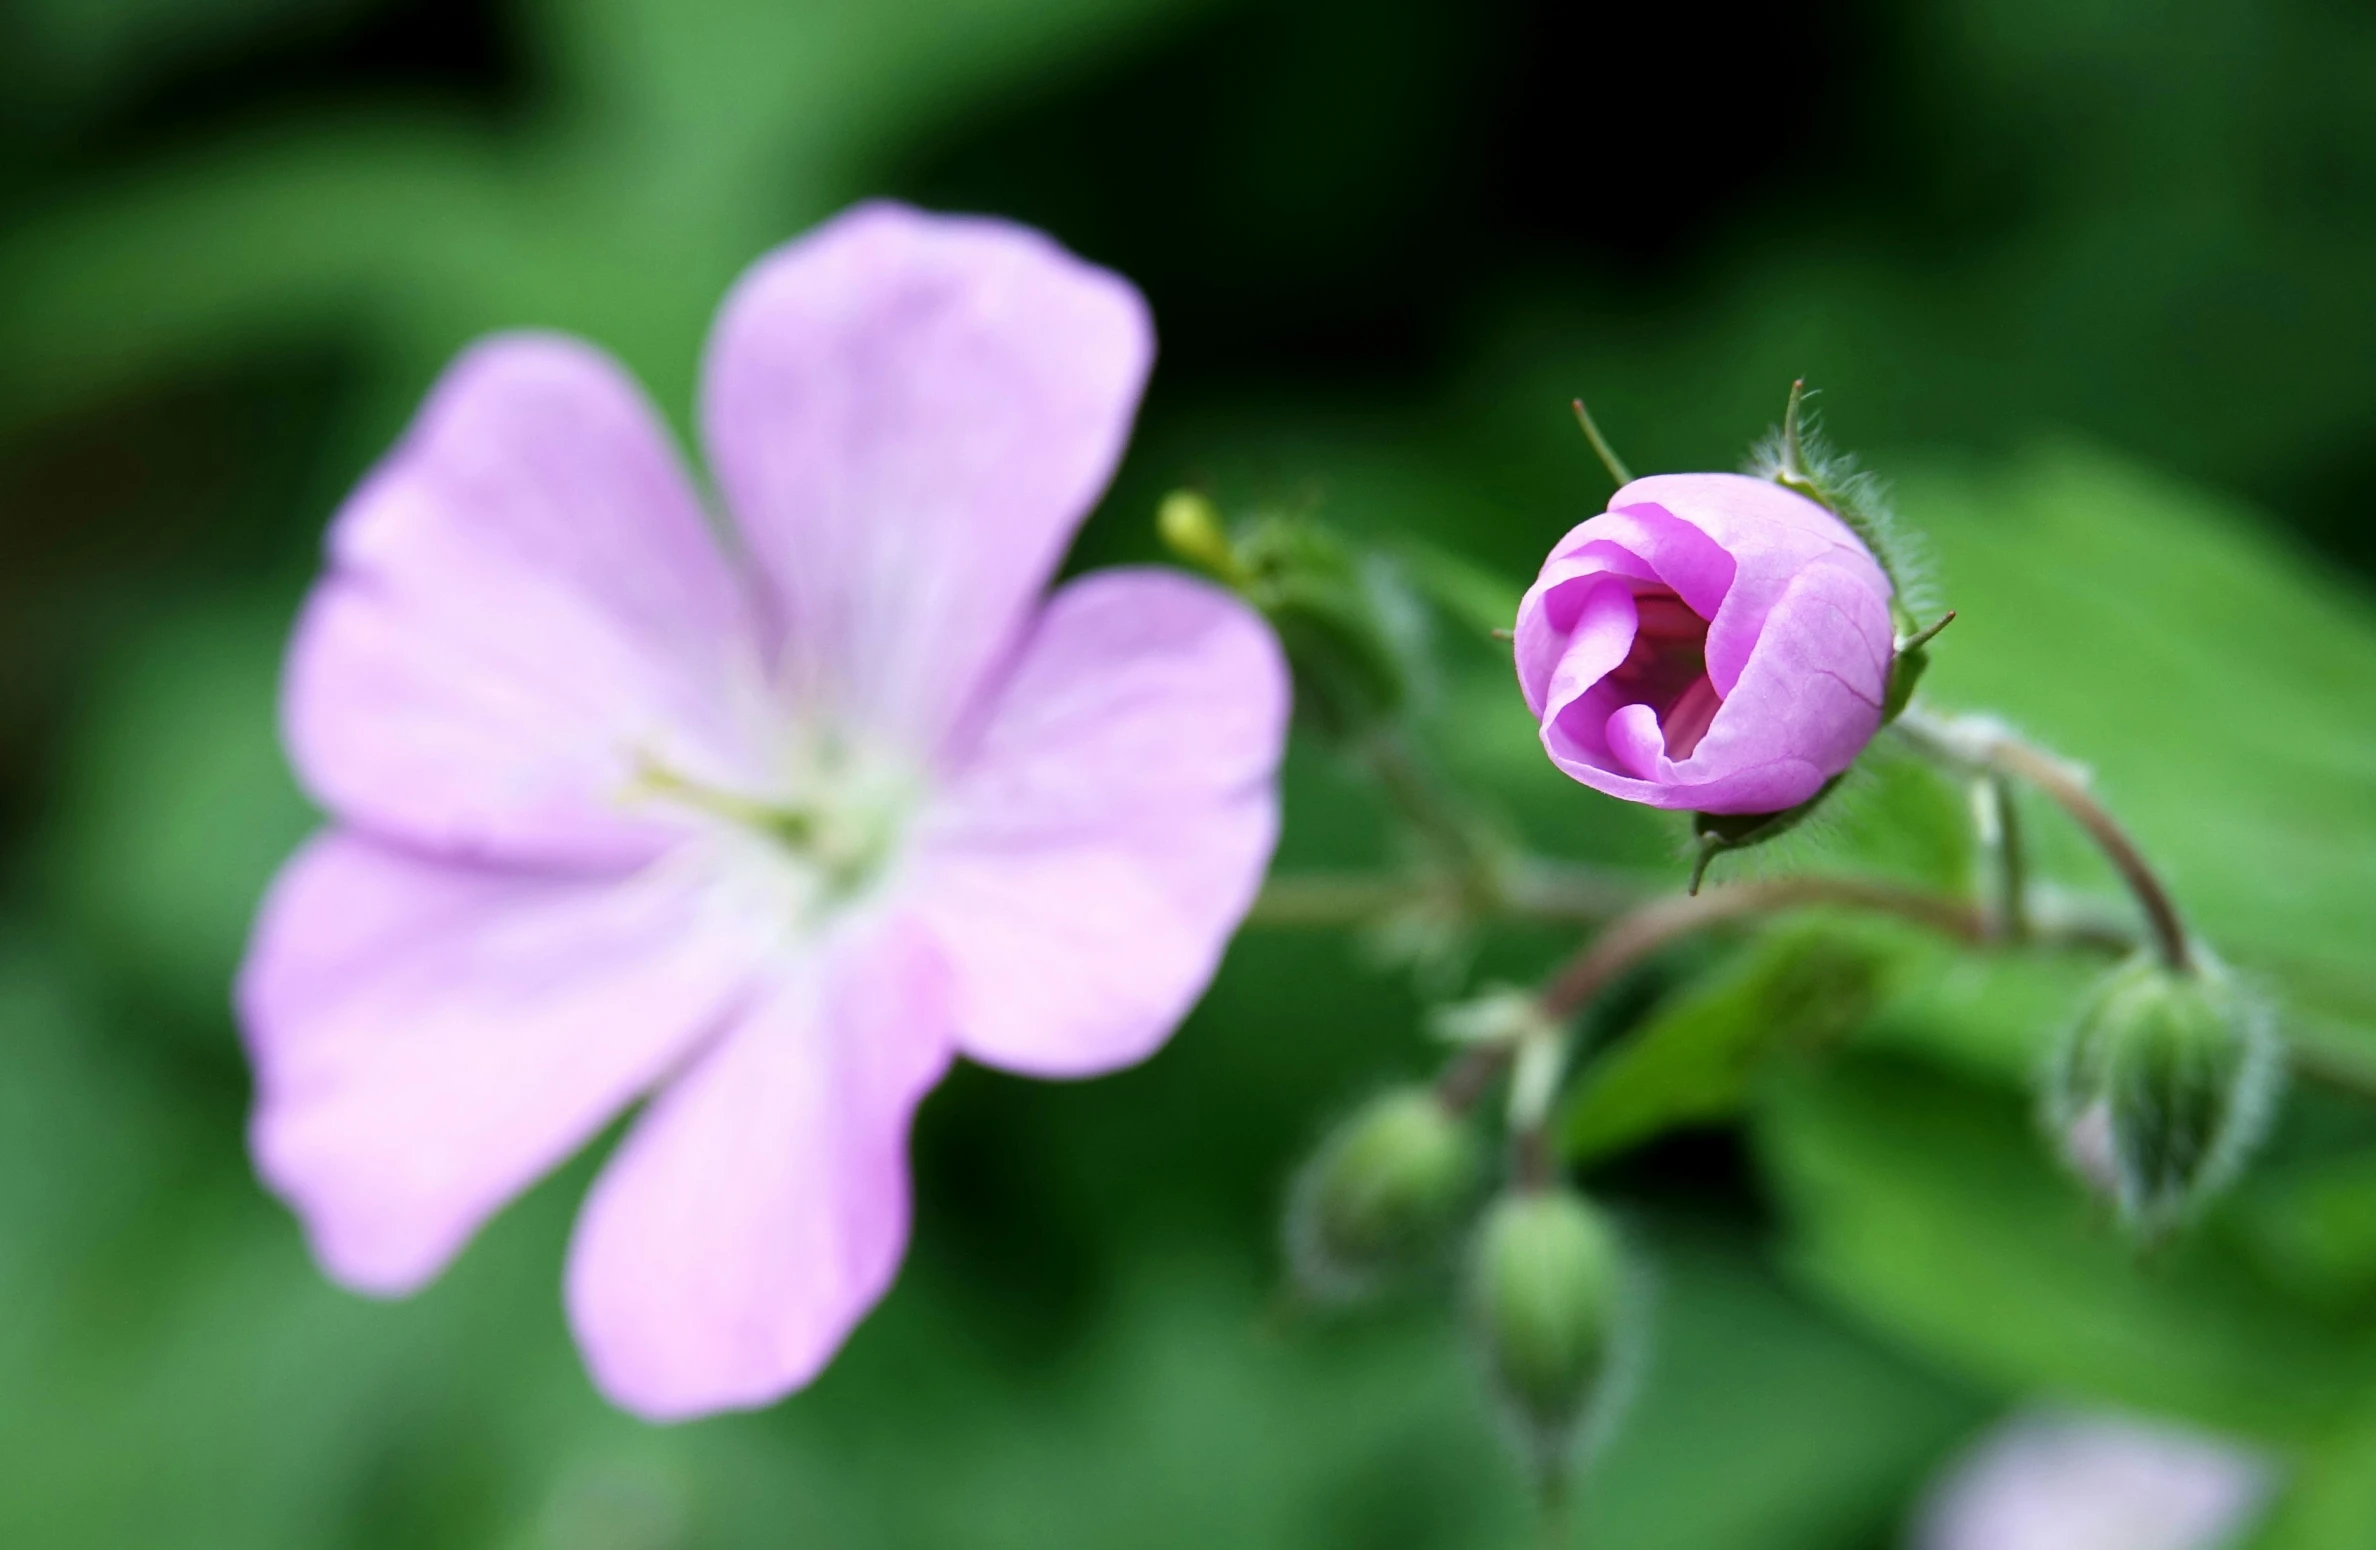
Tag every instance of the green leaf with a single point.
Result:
(181, 805)
(1930, 1207)
(2312, 1225)
(2223, 691)
(1477, 597)
(1694, 1060)
(2329, 1501)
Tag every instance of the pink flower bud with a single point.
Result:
(1711, 642)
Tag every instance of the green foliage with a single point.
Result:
(180, 804)
(1694, 1060)
(2147, 630)
(1929, 1206)
(1352, 629)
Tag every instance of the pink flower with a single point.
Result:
(771, 841)
(2047, 1481)
(1711, 641)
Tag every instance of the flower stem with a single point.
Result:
(1636, 936)
(1976, 743)
(2012, 861)
(1424, 802)
(1530, 889)
(1464, 1081)
(1643, 931)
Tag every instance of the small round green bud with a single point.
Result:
(1380, 1194)
(1191, 526)
(2162, 1085)
(1548, 1282)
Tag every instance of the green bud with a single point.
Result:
(2162, 1085)
(1547, 1284)
(1353, 629)
(1380, 1195)
(1349, 617)
(1191, 527)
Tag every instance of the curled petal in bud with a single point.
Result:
(1380, 1195)
(1711, 642)
(2162, 1085)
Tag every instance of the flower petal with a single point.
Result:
(429, 1039)
(909, 415)
(1812, 688)
(760, 1207)
(1643, 544)
(1770, 533)
(1109, 829)
(522, 599)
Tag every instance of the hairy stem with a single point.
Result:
(1468, 1076)
(1635, 937)
(1974, 743)
(1440, 819)
(1528, 889)
(2012, 863)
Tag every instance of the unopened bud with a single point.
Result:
(1380, 1195)
(1547, 1288)
(1354, 631)
(1190, 525)
(2162, 1085)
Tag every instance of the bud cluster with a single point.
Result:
(1725, 647)
(1396, 1191)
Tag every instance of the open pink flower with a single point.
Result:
(1711, 641)
(771, 840)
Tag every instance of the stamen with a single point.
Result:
(842, 844)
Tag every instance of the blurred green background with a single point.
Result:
(2093, 281)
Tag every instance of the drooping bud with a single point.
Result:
(2162, 1085)
(1547, 1284)
(1381, 1194)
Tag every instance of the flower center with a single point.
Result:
(834, 818)
(1667, 670)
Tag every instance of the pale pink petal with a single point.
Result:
(760, 1207)
(522, 601)
(1101, 841)
(2048, 1480)
(909, 415)
(429, 1039)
